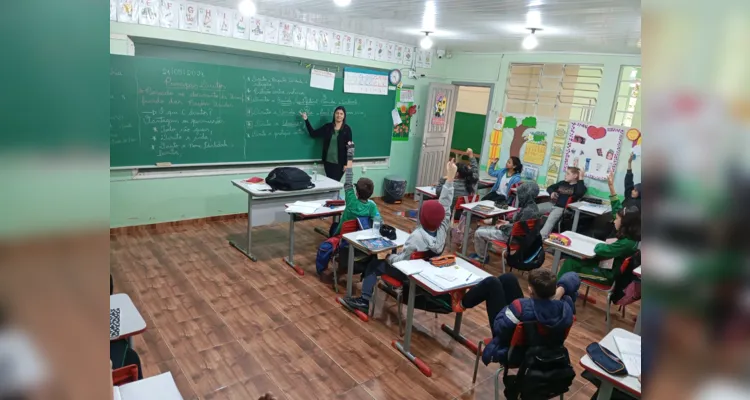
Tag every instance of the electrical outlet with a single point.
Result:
(364, 170)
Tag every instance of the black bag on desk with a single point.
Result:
(288, 178)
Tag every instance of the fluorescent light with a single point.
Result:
(534, 19)
(247, 8)
(428, 18)
(426, 43)
(342, 3)
(530, 42)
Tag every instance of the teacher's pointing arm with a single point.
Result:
(314, 133)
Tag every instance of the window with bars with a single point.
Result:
(627, 107)
(553, 91)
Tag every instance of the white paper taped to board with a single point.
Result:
(322, 79)
(396, 117)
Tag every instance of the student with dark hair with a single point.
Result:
(336, 134)
(464, 183)
(358, 203)
(506, 177)
(628, 234)
(552, 303)
(602, 227)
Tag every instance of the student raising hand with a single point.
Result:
(611, 182)
(450, 170)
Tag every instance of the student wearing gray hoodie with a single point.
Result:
(431, 236)
(528, 209)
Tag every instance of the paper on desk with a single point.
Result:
(412, 267)
(161, 387)
(448, 277)
(303, 207)
(630, 354)
(595, 208)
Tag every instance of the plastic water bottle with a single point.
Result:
(376, 222)
(315, 172)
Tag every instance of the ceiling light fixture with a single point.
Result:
(530, 42)
(247, 8)
(426, 43)
(342, 3)
(534, 18)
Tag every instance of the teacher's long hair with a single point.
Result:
(333, 118)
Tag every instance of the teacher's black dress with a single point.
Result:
(333, 171)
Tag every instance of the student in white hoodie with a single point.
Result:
(435, 221)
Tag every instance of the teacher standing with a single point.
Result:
(336, 135)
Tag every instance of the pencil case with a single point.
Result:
(606, 360)
(443, 261)
(335, 203)
(255, 179)
(559, 239)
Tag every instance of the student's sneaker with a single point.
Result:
(476, 257)
(359, 303)
(456, 297)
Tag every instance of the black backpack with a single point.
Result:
(288, 178)
(530, 254)
(545, 371)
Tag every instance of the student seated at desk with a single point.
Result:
(602, 227)
(464, 183)
(506, 177)
(560, 193)
(552, 303)
(435, 222)
(628, 233)
(358, 204)
(527, 193)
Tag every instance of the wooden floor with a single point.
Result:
(230, 328)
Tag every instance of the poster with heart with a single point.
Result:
(593, 149)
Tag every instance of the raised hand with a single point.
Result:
(470, 153)
(450, 169)
(350, 150)
(611, 178)
(304, 115)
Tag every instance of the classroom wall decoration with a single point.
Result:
(556, 156)
(496, 139)
(439, 108)
(365, 81)
(530, 172)
(196, 16)
(406, 109)
(593, 149)
(518, 132)
(536, 147)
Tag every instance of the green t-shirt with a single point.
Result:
(356, 208)
(333, 149)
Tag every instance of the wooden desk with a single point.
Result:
(131, 321)
(321, 212)
(455, 332)
(496, 212)
(269, 205)
(580, 247)
(628, 384)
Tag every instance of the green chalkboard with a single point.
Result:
(193, 113)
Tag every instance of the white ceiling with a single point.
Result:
(486, 26)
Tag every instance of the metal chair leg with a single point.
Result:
(503, 257)
(373, 300)
(586, 296)
(336, 277)
(497, 383)
(398, 300)
(476, 361)
(486, 251)
(609, 317)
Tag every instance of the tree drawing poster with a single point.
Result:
(593, 149)
(535, 150)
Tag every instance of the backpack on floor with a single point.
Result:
(288, 178)
(627, 285)
(530, 254)
(325, 253)
(545, 371)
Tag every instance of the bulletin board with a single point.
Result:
(593, 149)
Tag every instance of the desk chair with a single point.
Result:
(346, 227)
(562, 217)
(396, 286)
(518, 340)
(461, 201)
(609, 289)
(511, 245)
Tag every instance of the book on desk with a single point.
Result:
(376, 244)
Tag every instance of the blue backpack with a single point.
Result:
(325, 253)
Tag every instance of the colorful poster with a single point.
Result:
(285, 34)
(365, 81)
(298, 36)
(439, 109)
(189, 17)
(593, 149)
(370, 48)
(271, 34)
(149, 13)
(535, 149)
(127, 11)
(398, 53)
(224, 21)
(240, 26)
(381, 53)
(348, 45)
(556, 156)
(312, 38)
(530, 173)
(113, 10)
(408, 55)
(337, 45)
(496, 139)
(406, 109)
(424, 59)
(257, 28)
(359, 47)
(169, 14)
(207, 19)
(390, 52)
(324, 41)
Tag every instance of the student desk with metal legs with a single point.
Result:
(320, 212)
(468, 212)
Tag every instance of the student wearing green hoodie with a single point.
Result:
(628, 227)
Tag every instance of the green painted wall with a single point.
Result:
(142, 201)
(468, 131)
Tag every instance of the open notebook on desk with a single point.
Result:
(448, 278)
(159, 387)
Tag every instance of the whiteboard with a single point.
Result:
(593, 149)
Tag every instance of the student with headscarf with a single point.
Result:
(336, 134)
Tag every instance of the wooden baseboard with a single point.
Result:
(165, 225)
